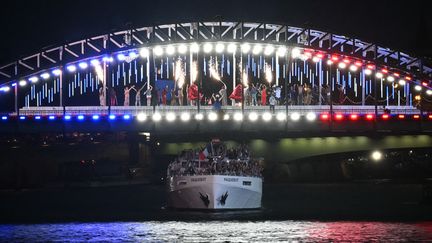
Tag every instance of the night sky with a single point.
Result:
(27, 26)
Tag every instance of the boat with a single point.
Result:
(215, 178)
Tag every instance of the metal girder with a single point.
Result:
(197, 31)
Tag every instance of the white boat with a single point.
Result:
(215, 182)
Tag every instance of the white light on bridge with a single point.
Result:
(156, 117)
(281, 116)
(281, 51)
(368, 71)
(185, 116)
(83, 65)
(45, 76)
(121, 57)
(376, 155)
(353, 68)
(208, 47)
(295, 52)
(34, 79)
(71, 68)
(212, 116)
(144, 52)
(194, 48)
(220, 47)
(295, 116)
(170, 50)
(267, 116)
(170, 116)
(226, 117)
(390, 79)
(316, 59)
(342, 65)
(5, 88)
(158, 51)
(133, 55)
(379, 75)
(253, 116)
(269, 50)
(418, 88)
(95, 62)
(232, 48)
(182, 49)
(22, 83)
(311, 116)
(238, 116)
(329, 62)
(429, 92)
(402, 82)
(245, 48)
(257, 49)
(199, 116)
(141, 117)
(56, 72)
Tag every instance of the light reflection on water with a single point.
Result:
(218, 231)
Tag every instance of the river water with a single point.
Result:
(220, 231)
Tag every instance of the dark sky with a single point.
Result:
(27, 26)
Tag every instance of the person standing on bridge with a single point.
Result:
(223, 95)
(127, 95)
(148, 94)
(113, 97)
(138, 95)
(263, 95)
(102, 99)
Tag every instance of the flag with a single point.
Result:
(203, 154)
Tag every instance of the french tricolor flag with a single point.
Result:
(203, 154)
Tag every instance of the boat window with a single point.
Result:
(247, 183)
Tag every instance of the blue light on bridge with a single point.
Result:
(67, 118)
(80, 117)
(4, 118)
(22, 118)
(51, 118)
(95, 117)
(112, 117)
(126, 117)
(37, 117)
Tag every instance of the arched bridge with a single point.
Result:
(217, 76)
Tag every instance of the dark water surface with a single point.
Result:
(220, 231)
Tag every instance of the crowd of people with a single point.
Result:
(220, 161)
(251, 95)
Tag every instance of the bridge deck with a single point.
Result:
(135, 110)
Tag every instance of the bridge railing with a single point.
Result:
(148, 110)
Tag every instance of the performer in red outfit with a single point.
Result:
(236, 95)
(193, 94)
(263, 95)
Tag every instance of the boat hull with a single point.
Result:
(214, 192)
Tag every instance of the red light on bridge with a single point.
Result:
(346, 60)
(358, 63)
(425, 84)
(401, 116)
(416, 117)
(339, 117)
(369, 117)
(324, 117)
(370, 66)
(408, 78)
(354, 117)
(430, 116)
(384, 70)
(335, 58)
(320, 55)
(385, 116)
(396, 74)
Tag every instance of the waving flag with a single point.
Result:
(204, 154)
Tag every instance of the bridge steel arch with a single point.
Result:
(309, 42)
